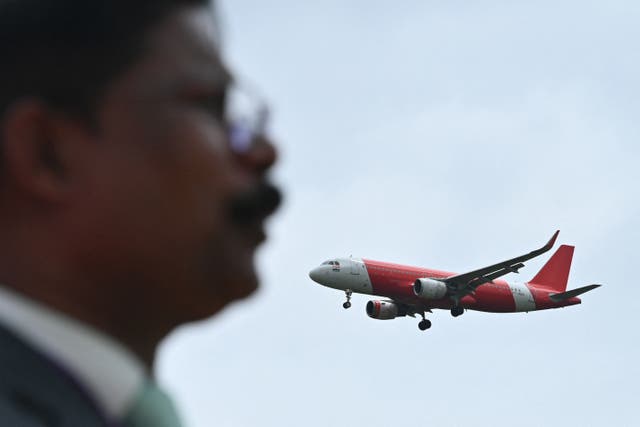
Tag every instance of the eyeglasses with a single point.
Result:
(246, 115)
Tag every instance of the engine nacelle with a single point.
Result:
(429, 288)
(384, 310)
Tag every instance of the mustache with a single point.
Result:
(255, 204)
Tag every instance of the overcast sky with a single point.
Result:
(444, 134)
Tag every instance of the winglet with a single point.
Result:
(547, 247)
(552, 242)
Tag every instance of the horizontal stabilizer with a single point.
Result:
(570, 294)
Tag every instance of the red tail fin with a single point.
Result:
(555, 273)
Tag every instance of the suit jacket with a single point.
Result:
(37, 392)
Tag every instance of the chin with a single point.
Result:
(235, 284)
(243, 280)
(241, 288)
(219, 297)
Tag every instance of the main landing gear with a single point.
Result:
(347, 303)
(424, 323)
(457, 310)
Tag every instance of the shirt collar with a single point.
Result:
(111, 372)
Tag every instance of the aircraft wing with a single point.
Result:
(463, 284)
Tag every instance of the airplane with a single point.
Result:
(415, 291)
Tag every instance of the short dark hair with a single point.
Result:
(66, 52)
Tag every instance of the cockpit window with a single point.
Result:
(335, 264)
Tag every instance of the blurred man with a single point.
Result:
(131, 201)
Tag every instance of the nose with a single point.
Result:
(260, 156)
(316, 275)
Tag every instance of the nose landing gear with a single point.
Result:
(457, 310)
(347, 303)
(424, 324)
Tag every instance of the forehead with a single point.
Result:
(181, 51)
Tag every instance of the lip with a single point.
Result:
(256, 206)
(255, 233)
(261, 234)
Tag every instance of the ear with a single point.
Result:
(35, 147)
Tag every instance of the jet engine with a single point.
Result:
(384, 310)
(429, 288)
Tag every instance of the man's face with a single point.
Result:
(156, 224)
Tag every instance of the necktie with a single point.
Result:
(152, 408)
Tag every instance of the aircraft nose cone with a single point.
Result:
(316, 275)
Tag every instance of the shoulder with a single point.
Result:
(12, 416)
(35, 391)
